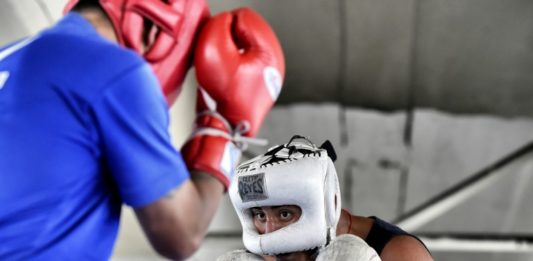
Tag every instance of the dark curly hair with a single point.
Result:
(87, 4)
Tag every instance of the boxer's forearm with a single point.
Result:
(176, 224)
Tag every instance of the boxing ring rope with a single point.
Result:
(469, 245)
(465, 242)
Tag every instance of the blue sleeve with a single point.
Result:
(132, 117)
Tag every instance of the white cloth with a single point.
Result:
(343, 248)
(348, 248)
(239, 255)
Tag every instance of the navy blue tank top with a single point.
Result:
(382, 232)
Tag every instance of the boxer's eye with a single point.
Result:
(285, 215)
(258, 215)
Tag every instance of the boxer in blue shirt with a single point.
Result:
(84, 128)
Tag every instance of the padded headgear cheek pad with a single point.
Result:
(170, 51)
(308, 181)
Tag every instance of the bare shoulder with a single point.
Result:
(405, 248)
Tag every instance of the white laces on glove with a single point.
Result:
(235, 134)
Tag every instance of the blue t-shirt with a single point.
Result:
(83, 128)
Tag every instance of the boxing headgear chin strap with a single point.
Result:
(169, 53)
(297, 173)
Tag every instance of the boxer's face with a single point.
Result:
(269, 219)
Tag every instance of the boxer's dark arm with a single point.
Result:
(176, 224)
(405, 248)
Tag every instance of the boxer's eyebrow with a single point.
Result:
(284, 206)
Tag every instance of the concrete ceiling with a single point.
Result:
(457, 56)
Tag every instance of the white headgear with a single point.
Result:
(296, 173)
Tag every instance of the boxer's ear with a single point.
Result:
(329, 148)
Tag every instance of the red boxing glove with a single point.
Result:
(240, 68)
